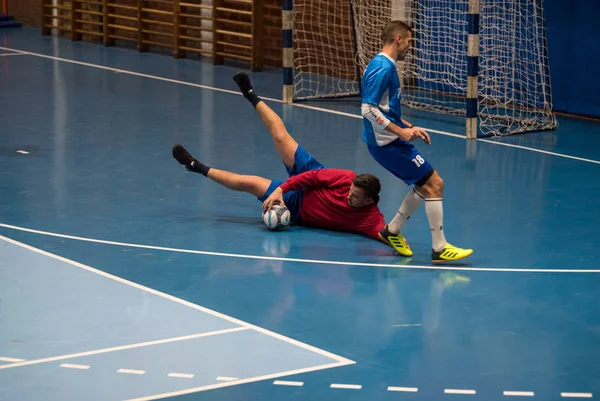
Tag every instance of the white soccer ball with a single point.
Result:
(278, 218)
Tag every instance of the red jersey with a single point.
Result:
(325, 204)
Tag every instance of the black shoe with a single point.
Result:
(183, 156)
(243, 82)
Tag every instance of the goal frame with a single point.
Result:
(472, 101)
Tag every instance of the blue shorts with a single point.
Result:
(403, 160)
(303, 161)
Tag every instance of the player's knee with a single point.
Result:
(434, 187)
(436, 184)
(247, 183)
(280, 134)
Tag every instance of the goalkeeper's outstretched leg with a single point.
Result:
(285, 144)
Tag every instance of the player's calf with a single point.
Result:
(285, 144)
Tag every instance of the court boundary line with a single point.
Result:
(11, 54)
(284, 259)
(123, 347)
(237, 382)
(304, 106)
(339, 359)
(11, 360)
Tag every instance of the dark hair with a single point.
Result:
(370, 184)
(393, 28)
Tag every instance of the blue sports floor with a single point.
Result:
(123, 277)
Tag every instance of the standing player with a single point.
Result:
(388, 137)
(315, 195)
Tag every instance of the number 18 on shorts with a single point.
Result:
(403, 160)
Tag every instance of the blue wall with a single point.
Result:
(573, 39)
(573, 33)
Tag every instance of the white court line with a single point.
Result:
(12, 54)
(5, 359)
(403, 389)
(73, 366)
(458, 391)
(287, 383)
(519, 393)
(358, 116)
(246, 325)
(576, 395)
(122, 348)
(243, 256)
(346, 386)
(238, 382)
(131, 371)
(510, 145)
(181, 375)
(226, 379)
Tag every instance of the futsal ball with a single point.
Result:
(278, 218)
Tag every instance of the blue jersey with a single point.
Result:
(381, 87)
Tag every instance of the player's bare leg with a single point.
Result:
(251, 184)
(285, 144)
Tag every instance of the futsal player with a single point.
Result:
(315, 195)
(388, 138)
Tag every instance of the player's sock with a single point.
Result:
(435, 215)
(243, 82)
(185, 158)
(198, 167)
(412, 201)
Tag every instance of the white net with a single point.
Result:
(514, 81)
(434, 73)
(324, 51)
(514, 77)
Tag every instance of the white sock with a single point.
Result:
(412, 201)
(435, 215)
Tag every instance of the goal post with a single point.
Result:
(287, 22)
(472, 69)
(485, 60)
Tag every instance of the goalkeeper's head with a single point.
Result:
(397, 36)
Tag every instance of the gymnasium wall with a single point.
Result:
(28, 12)
(573, 35)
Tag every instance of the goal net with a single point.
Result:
(334, 40)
